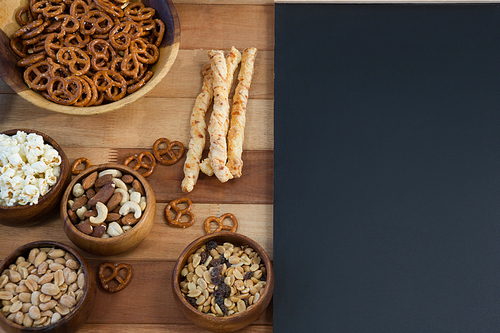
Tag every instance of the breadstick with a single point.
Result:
(219, 121)
(198, 129)
(238, 118)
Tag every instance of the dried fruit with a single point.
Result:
(211, 245)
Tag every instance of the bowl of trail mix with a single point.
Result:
(223, 281)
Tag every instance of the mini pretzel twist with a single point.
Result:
(77, 163)
(173, 157)
(115, 269)
(179, 212)
(140, 163)
(220, 225)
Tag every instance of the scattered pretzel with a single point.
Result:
(115, 269)
(173, 157)
(77, 163)
(220, 225)
(140, 163)
(179, 212)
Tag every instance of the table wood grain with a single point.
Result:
(147, 305)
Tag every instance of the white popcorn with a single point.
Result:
(28, 168)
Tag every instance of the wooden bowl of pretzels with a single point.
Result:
(86, 56)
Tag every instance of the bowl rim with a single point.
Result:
(83, 174)
(86, 291)
(32, 96)
(179, 265)
(64, 169)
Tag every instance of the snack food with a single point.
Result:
(75, 167)
(29, 168)
(106, 204)
(220, 223)
(172, 156)
(236, 132)
(85, 53)
(114, 282)
(223, 279)
(175, 221)
(40, 289)
(144, 160)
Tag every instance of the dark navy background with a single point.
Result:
(387, 168)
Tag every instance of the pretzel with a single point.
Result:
(179, 212)
(236, 132)
(147, 53)
(130, 64)
(198, 129)
(109, 7)
(78, 61)
(37, 75)
(139, 84)
(31, 59)
(69, 25)
(95, 21)
(173, 157)
(102, 54)
(78, 8)
(138, 12)
(220, 225)
(157, 33)
(47, 8)
(111, 83)
(32, 26)
(18, 47)
(115, 269)
(77, 163)
(20, 13)
(122, 33)
(139, 163)
(86, 95)
(76, 40)
(65, 91)
(52, 44)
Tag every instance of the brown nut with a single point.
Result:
(89, 181)
(103, 180)
(114, 201)
(112, 217)
(79, 202)
(90, 193)
(98, 231)
(72, 216)
(85, 227)
(90, 213)
(129, 219)
(127, 179)
(136, 185)
(103, 195)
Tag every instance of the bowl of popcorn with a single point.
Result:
(45, 286)
(108, 209)
(56, 58)
(223, 281)
(34, 172)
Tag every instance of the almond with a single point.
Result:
(114, 201)
(101, 181)
(89, 181)
(104, 193)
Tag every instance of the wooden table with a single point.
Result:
(147, 305)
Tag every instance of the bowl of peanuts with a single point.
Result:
(45, 286)
(86, 56)
(223, 281)
(34, 172)
(108, 209)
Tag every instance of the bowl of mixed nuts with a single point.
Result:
(223, 281)
(45, 286)
(108, 209)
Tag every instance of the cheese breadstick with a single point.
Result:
(233, 59)
(198, 130)
(238, 114)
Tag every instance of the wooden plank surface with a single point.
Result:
(165, 112)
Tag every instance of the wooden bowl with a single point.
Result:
(26, 215)
(236, 321)
(74, 320)
(113, 245)
(13, 75)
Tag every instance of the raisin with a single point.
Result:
(211, 245)
(216, 280)
(191, 300)
(216, 271)
(220, 302)
(263, 277)
(215, 262)
(224, 260)
(248, 275)
(204, 257)
(223, 291)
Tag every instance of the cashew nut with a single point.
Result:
(126, 228)
(114, 229)
(80, 211)
(119, 183)
(125, 195)
(116, 173)
(105, 235)
(135, 197)
(70, 203)
(78, 190)
(129, 207)
(102, 212)
(143, 203)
